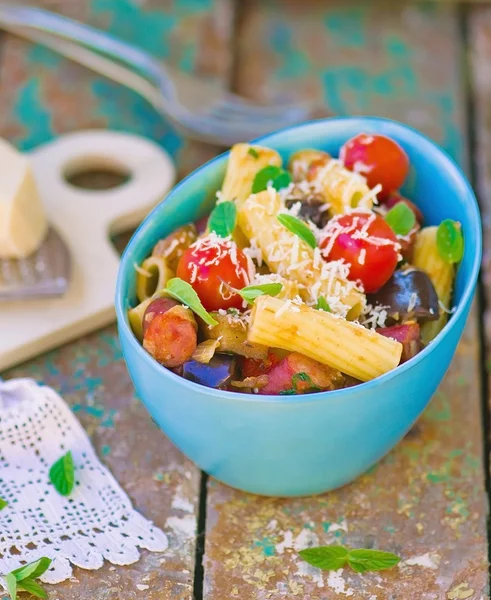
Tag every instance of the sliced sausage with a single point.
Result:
(169, 332)
(298, 374)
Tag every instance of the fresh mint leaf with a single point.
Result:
(11, 582)
(298, 227)
(365, 559)
(331, 558)
(32, 587)
(449, 241)
(253, 152)
(3, 503)
(401, 219)
(32, 570)
(322, 304)
(278, 177)
(62, 474)
(251, 292)
(328, 558)
(223, 219)
(181, 290)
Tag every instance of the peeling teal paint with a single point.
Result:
(124, 110)
(105, 450)
(30, 112)
(267, 545)
(347, 26)
(39, 55)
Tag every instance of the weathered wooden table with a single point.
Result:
(427, 64)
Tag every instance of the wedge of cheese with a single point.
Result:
(23, 222)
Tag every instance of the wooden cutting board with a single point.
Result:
(84, 218)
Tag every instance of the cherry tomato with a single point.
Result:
(379, 159)
(394, 198)
(209, 265)
(254, 367)
(367, 243)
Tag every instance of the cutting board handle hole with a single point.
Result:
(96, 173)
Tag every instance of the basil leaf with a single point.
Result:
(253, 152)
(32, 570)
(263, 177)
(449, 241)
(278, 177)
(323, 305)
(328, 558)
(183, 292)
(32, 587)
(251, 292)
(3, 503)
(11, 582)
(223, 219)
(371, 560)
(62, 474)
(401, 219)
(282, 181)
(298, 227)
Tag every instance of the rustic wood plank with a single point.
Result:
(426, 500)
(42, 96)
(393, 61)
(480, 54)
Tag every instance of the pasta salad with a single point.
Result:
(305, 277)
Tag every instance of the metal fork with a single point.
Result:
(200, 108)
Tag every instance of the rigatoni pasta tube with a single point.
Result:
(442, 274)
(343, 190)
(152, 276)
(352, 349)
(243, 164)
(286, 254)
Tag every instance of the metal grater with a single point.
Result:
(42, 274)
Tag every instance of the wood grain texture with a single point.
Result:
(426, 500)
(396, 60)
(42, 96)
(479, 33)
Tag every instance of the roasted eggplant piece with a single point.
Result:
(218, 373)
(311, 209)
(409, 294)
(232, 333)
(408, 335)
(174, 245)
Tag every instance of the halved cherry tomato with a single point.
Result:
(211, 265)
(367, 243)
(378, 158)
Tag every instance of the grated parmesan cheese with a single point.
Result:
(412, 302)
(217, 248)
(374, 316)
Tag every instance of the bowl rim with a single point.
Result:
(124, 328)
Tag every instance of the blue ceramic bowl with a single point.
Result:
(299, 445)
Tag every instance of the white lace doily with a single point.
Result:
(94, 523)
